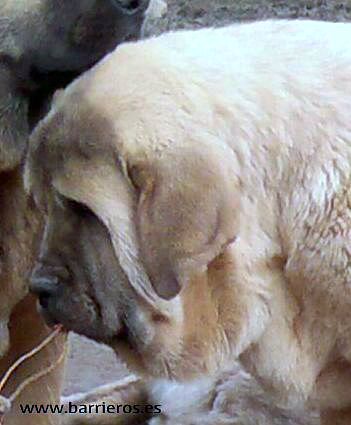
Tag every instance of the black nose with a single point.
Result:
(43, 284)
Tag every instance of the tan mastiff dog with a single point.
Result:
(44, 44)
(196, 189)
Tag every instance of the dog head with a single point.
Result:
(45, 44)
(139, 214)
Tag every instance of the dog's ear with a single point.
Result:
(13, 123)
(187, 211)
(103, 189)
(170, 217)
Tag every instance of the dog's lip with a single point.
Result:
(122, 337)
(122, 334)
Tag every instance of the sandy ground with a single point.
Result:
(199, 13)
(89, 364)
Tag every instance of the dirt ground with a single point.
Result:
(199, 13)
(89, 364)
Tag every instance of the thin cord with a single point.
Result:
(28, 355)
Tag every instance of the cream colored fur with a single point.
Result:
(234, 398)
(250, 124)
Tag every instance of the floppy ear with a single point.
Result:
(13, 122)
(184, 214)
(103, 189)
(187, 211)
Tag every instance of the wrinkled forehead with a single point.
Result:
(70, 141)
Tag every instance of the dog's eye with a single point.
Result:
(79, 209)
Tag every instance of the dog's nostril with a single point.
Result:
(134, 4)
(44, 300)
(128, 6)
